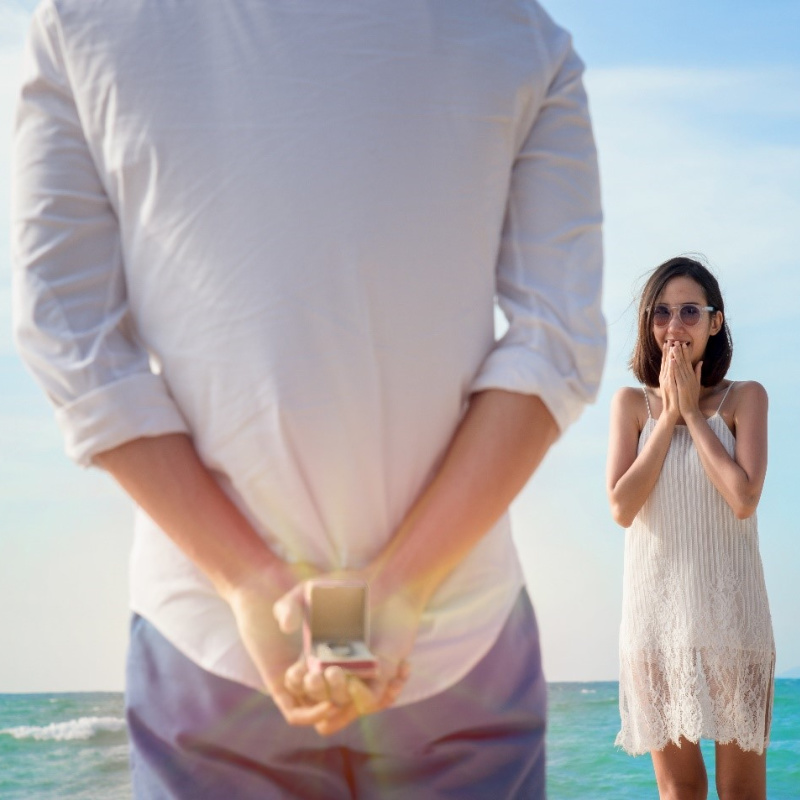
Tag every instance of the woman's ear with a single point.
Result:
(716, 323)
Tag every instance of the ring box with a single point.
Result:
(336, 627)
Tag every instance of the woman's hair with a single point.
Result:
(645, 362)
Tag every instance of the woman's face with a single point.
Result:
(679, 292)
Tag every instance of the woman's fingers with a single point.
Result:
(686, 370)
(665, 374)
(665, 356)
(687, 380)
(669, 367)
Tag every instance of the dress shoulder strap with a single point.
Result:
(647, 400)
(719, 408)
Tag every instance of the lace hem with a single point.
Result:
(699, 694)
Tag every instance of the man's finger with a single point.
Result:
(336, 680)
(288, 610)
(364, 699)
(336, 722)
(396, 684)
(315, 687)
(293, 679)
(300, 715)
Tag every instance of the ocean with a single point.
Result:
(74, 747)
(583, 762)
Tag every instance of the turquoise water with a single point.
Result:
(63, 747)
(58, 746)
(582, 760)
(583, 763)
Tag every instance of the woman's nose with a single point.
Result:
(675, 320)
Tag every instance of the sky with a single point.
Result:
(696, 109)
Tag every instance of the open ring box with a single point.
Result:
(336, 627)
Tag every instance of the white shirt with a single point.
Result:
(281, 227)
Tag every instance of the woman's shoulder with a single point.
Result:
(632, 402)
(630, 393)
(746, 397)
(629, 396)
(747, 392)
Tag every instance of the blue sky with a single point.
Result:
(696, 109)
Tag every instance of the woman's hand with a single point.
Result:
(687, 380)
(667, 384)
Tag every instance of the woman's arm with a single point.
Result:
(739, 479)
(631, 477)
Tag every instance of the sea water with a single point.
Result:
(63, 747)
(583, 762)
(74, 747)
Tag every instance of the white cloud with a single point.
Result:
(680, 174)
(684, 170)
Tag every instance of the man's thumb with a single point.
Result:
(288, 610)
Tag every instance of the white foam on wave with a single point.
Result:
(71, 730)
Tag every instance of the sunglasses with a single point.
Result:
(688, 313)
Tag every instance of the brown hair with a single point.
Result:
(645, 361)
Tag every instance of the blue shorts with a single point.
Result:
(196, 736)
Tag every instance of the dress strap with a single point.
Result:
(647, 400)
(719, 408)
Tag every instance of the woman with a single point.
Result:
(686, 465)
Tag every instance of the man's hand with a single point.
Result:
(272, 650)
(501, 439)
(165, 476)
(394, 621)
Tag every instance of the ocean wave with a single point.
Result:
(73, 729)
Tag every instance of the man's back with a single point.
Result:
(297, 209)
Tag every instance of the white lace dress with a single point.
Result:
(697, 654)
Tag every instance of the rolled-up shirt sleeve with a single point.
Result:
(549, 271)
(71, 318)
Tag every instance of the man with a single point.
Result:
(257, 248)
